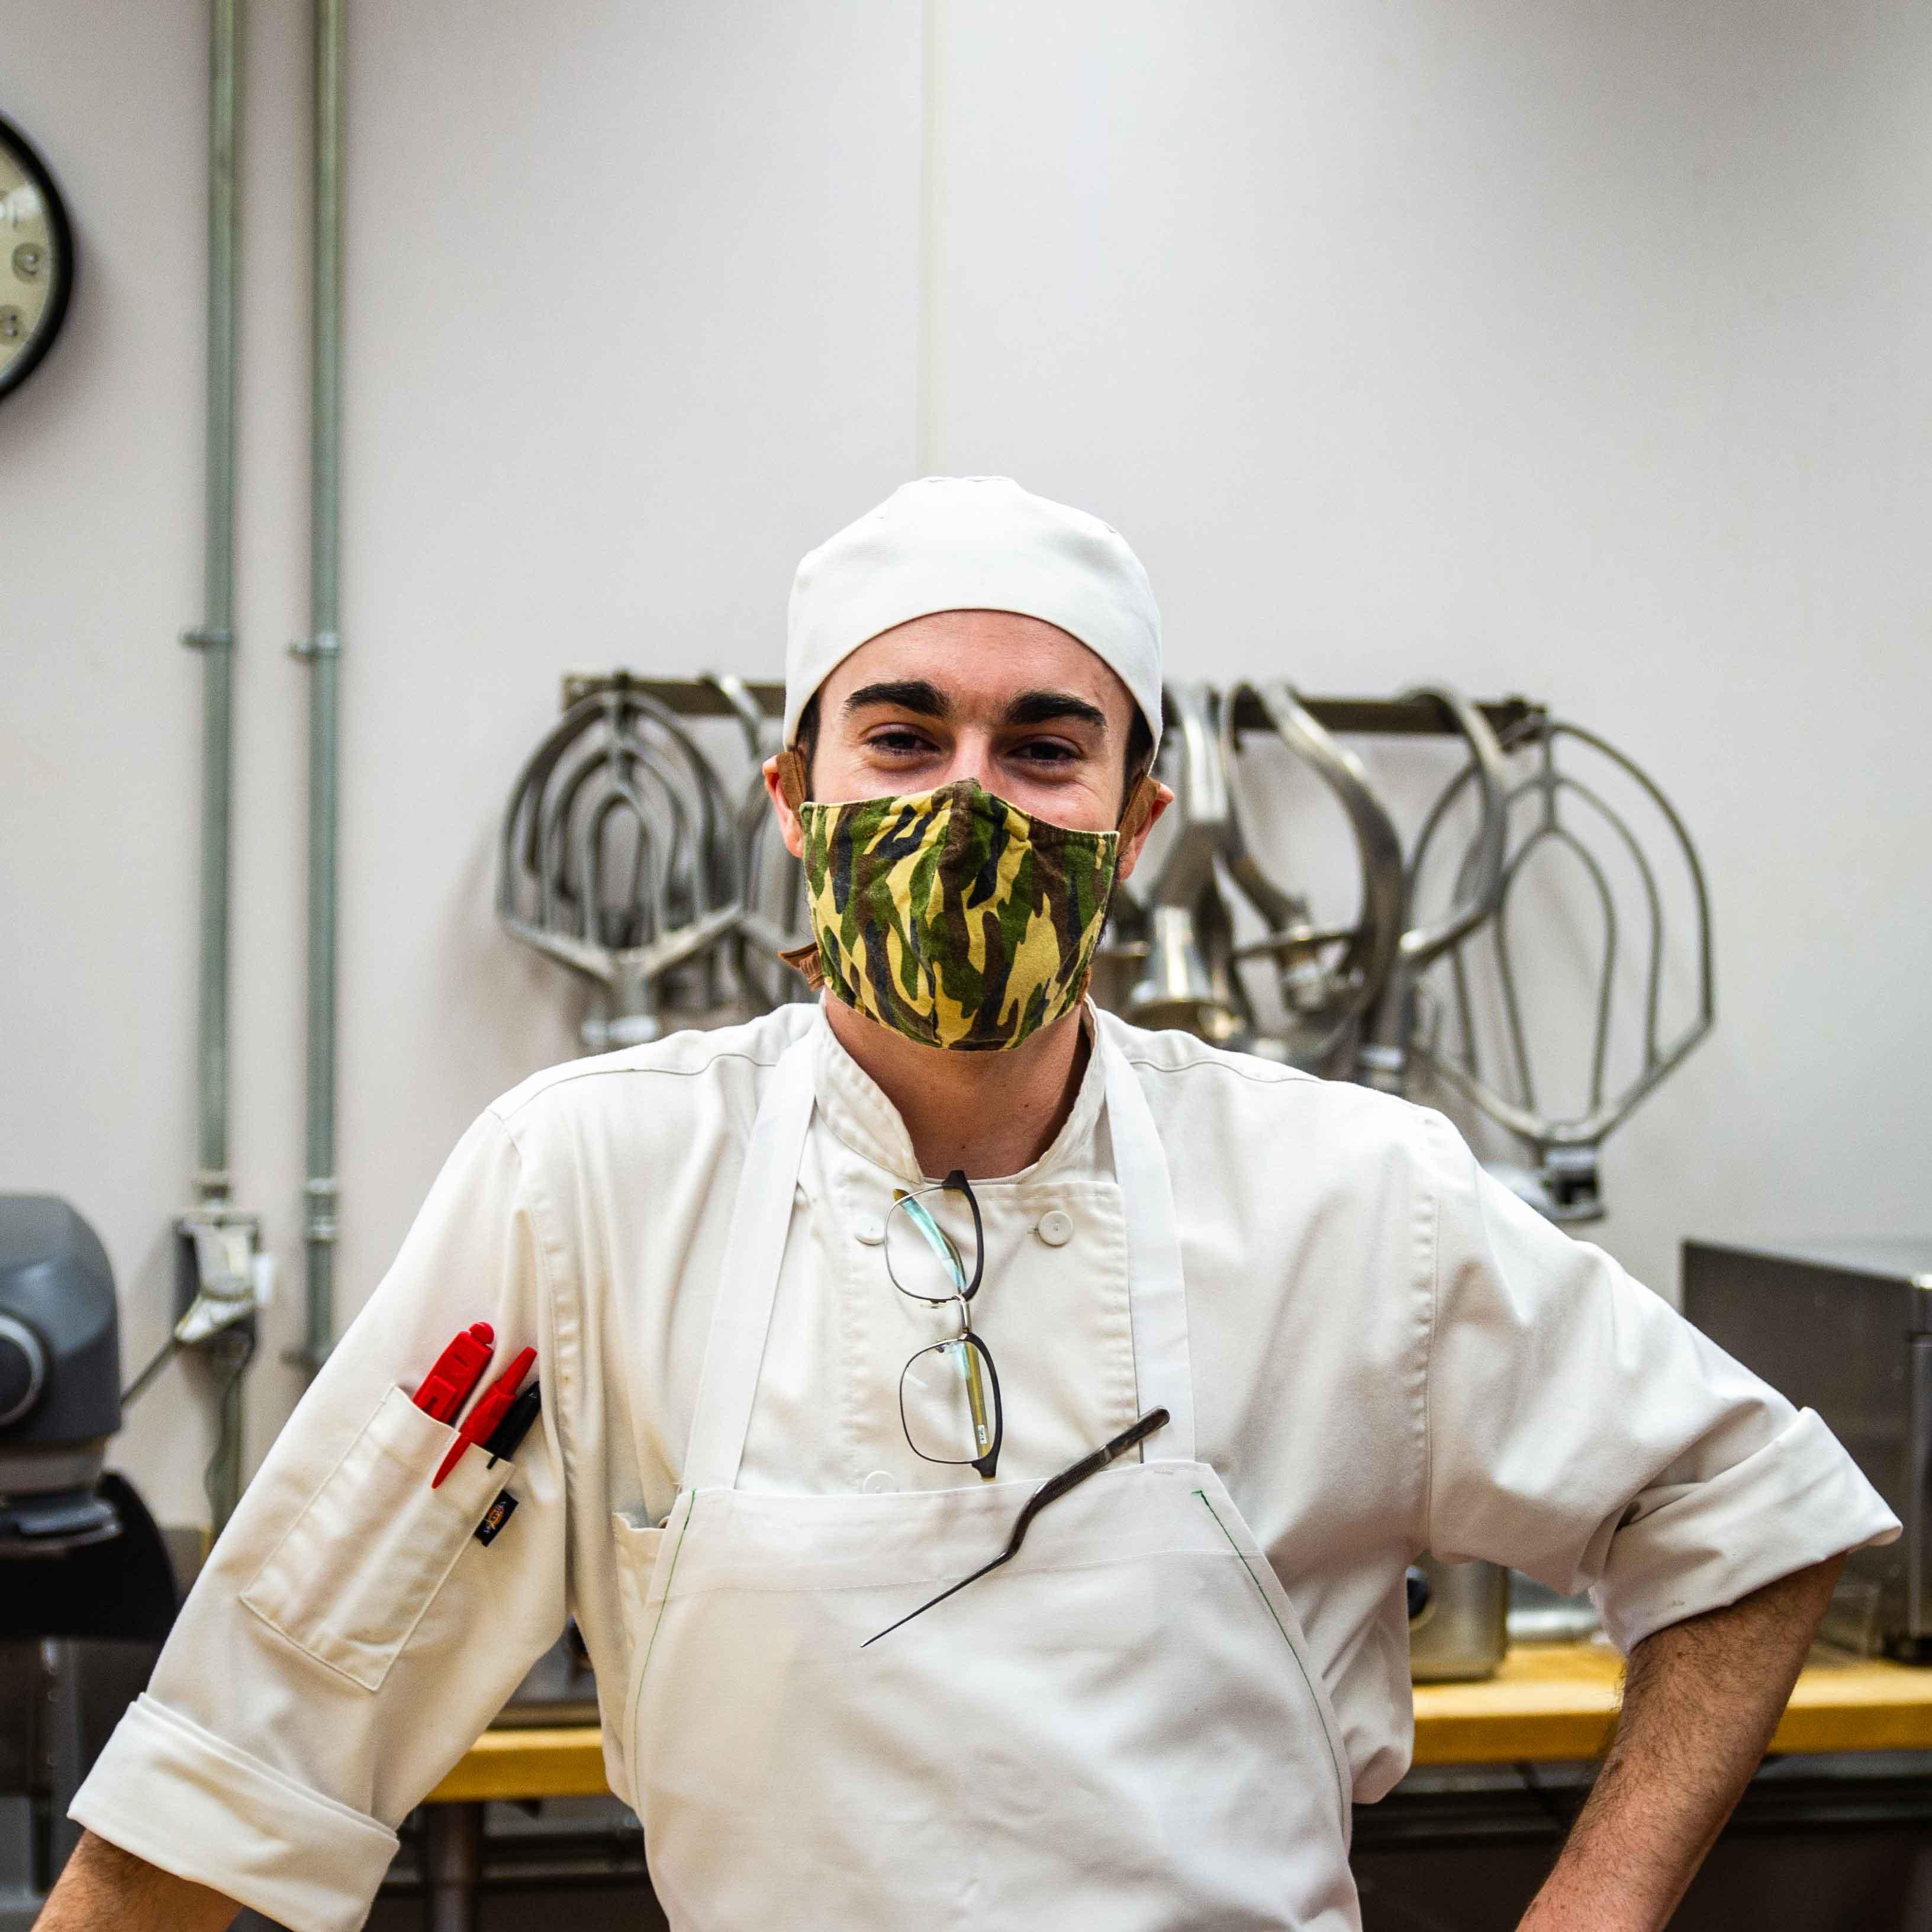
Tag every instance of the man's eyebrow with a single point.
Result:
(925, 699)
(912, 694)
(1042, 707)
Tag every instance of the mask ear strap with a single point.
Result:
(1139, 808)
(803, 960)
(791, 777)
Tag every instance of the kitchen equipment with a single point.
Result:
(87, 1591)
(1169, 918)
(1458, 1623)
(1329, 977)
(1384, 1061)
(1844, 1327)
(619, 858)
(60, 1367)
(1550, 810)
(772, 917)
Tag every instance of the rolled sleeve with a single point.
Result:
(348, 1638)
(171, 1793)
(1581, 1430)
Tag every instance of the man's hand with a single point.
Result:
(1701, 1700)
(105, 1889)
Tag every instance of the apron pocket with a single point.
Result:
(636, 1546)
(1281, 1611)
(349, 1580)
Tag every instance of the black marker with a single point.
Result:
(503, 1440)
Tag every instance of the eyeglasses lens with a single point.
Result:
(946, 1398)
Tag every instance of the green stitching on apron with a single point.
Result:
(636, 1695)
(1341, 1789)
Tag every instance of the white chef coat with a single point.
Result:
(1390, 1354)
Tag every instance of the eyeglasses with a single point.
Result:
(950, 1391)
(1050, 1491)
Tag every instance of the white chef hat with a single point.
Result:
(972, 543)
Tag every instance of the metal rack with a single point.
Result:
(1418, 717)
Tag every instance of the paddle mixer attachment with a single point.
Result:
(620, 857)
(1553, 814)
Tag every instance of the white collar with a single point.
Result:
(856, 1108)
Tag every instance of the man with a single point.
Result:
(824, 1305)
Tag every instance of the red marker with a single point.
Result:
(480, 1424)
(458, 1369)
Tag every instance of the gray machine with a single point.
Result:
(1845, 1327)
(59, 1377)
(87, 1592)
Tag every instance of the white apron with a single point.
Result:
(1118, 1730)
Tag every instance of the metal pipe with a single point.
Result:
(224, 1302)
(323, 652)
(215, 637)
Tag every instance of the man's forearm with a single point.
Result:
(1701, 1700)
(104, 1889)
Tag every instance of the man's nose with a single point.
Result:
(972, 758)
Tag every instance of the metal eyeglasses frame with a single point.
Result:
(988, 1426)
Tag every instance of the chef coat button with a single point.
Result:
(1055, 1229)
(877, 1484)
(871, 1232)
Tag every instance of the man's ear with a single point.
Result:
(1145, 803)
(784, 774)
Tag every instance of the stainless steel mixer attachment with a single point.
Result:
(1169, 920)
(772, 884)
(1384, 1061)
(620, 857)
(1564, 1184)
(1329, 977)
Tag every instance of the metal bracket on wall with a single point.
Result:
(323, 644)
(224, 1278)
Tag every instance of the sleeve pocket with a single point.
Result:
(352, 1577)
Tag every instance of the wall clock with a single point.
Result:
(36, 259)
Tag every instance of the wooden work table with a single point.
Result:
(1548, 1702)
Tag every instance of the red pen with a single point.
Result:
(458, 1369)
(480, 1422)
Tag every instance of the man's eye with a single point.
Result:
(1047, 752)
(902, 739)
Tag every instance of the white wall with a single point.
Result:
(1560, 348)
(1578, 350)
(631, 322)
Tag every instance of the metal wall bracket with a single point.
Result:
(319, 1193)
(323, 644)
(205, 637)
(223, 1280)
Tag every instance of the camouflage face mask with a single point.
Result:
(951, 917)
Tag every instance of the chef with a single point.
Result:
(981, 1442)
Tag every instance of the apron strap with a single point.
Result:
(1155, 1292)
(748, 1283)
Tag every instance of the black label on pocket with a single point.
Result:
(495, 1516)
